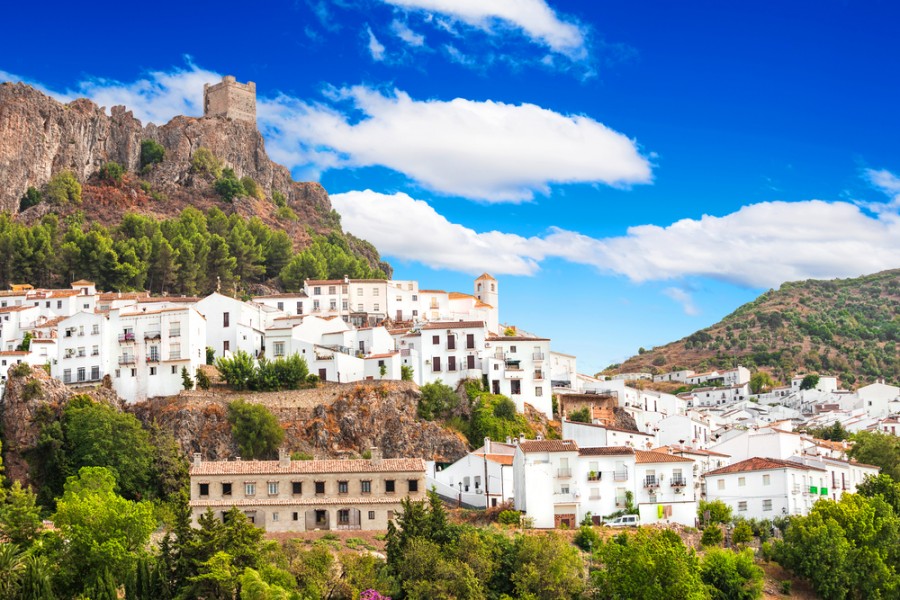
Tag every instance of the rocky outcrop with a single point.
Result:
(29, 401)
(40, 136)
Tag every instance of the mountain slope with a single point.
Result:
(848, 327)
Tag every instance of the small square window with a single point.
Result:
(389, 486)
(390, 515)
(249, 489)
(767, 479)
(204, 489)
(371, 515)
(343, 487)
(153, 370)
(413, 485)
(274, 516)
(742, 481)
(365, 487)
(226, 489)
(295, 516)
(720, 484)
(273, 488)
(296, 487)
(742, 505)
(320, 487)
(174, 369)
(767, 505)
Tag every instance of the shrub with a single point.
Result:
(202, 378)
(279, 199)
(301, 456)
(286, 213)
(31, 390)
(582, 415)
(205, 162)
(186, 382)
(509, 517)
(256, 430)
(719, 512)
(112, 172)
(210, 355)
(712, 536)
(312, 379)
(406, 373)
(587, 538)
(64, 188)
(237, 371)
(786, 587)
(732, 575)
(252, 188)
(505, 409)
(743, 532)
(228, 186)
(151, 153)
(22, 369)
(32, 197)
(437, 400)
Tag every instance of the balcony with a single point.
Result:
(513, 365)
(128, 336)
(620, 475)
(538, 375)
(650, 481)
(174, 333)
(564, 472)
(537, 356)
(595, 495)
(795, 489)
(594, 476)
(174, 355)
(126, 360)
(152, 335)
(678, 481)
(153, 358)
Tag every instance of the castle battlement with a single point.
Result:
(230, 99)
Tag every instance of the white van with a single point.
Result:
(624, 521)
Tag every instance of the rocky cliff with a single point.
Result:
(40, 137)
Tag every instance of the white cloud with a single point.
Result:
(684, 298)
(534, 18)
(761, 245)
(376, 48)
(483, 150)
(402, 31)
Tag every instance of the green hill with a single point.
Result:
(846, 327)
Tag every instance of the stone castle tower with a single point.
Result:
(230, 99)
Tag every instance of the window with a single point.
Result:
(390, 515)
(118, 373)
(273, 488)
(415, 313)
(295, 516)
(58, 304)
(317, 291)
(470, 361)
(360, 308)
(389, 486)
(279, 349)
(767, 505)
(343, 487)
(333, 305)
(95, 351)
(344, 516)
(320, 487)
(359, 291)
(371, 515)
(415, 297)
(226, 489)
(296, 487)
(374, 291)
(315, 305)
(376, 308)
(226, 346)
(742, 481)
(153, 370)
(204, 489)
(767, 479)
(451, 363)
(95, 373)
(134, 372)
(332, 290)
(250, 489)
(299, 308)
(451, 342)
(515, 387)
(81, 374)
(365, 487)
(95, 329)
(512, 349)
(470, 341)
(742, 506)
(274, 516)
(226, 319)
(174, 369)
(436, 364)
(435, 339)
(281, 306)
(413, 485)
(564, 488)
(720, 484)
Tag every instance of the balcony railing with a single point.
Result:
(620, 475)
(594, 476)
(537, 356)
(126, 360)
(678, 481)
(595, 495)
(564, 472)
(538, 375)
(151, 335)
(174, 333)
(650, 481)
(126, 337)
(796, 488)
(153, 358)
(174, 355)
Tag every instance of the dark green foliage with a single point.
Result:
(731, 575)
(509, 517)
(809, 382)
(20, 516)
(202, 378)
(279, 199)
(486, 423)
(719, 512)
(283, 373)
(879, 449)
(881, 485)
(255, 429)
(32, 197)
(406, 373)
(437, 401)
(151, 153)
(112, 173)
(327, 257)
(186, 382)
(650, 564)
(204, 162)
(834, 432)
(228, 186)
(582, 415)
(712, 536)
(251, 188)
(238, 371)
(26, 342)
(742, 533)
(587, 538)
(210, 355)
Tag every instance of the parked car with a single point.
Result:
(624, 521)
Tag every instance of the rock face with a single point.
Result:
(27, 401)
(40, 136)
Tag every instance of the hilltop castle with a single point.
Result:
(230, 99)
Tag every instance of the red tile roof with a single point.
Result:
(502, 459)
(453, 325)
(548, 446)
(7, 309)
(606, 451)
(761, 464)
(646, 456)
(266, 467)
(316, 501)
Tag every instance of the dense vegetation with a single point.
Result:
(849, 328)
(194, 253)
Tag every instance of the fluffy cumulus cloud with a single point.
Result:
(761, 245)
(533, 18)
(477, 149)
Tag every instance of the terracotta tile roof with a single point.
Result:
(169, 299)
(322, 501)
(266, 467)
(460, 296)
(432, 292)
(502, 459)
(606, 451)
(453, 325)
(300, 294)
(82, 282)
(761, 464)
(9, 309)
(646, 456)
(44, 294)
(516, 338)
(109, 296)
(42, 341)
(387, 355)
(50, 323)
(14, 353)
(689, 450)
(368, 281)
(324, 282)
(480, 304)
(548, 446)
(485, 276)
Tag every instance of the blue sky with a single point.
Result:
(631, 171)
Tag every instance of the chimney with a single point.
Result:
(487, 445)
(521, 437)
(508, 440)
(197, 459)
(284, 459)
(376, 455)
